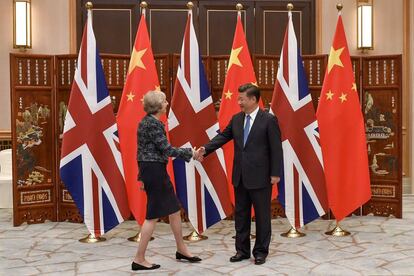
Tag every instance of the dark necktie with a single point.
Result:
(246, 129)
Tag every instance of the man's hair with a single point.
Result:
(251, 91)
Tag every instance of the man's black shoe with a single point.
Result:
(238, 257)
(259, 260)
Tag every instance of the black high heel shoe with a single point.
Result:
(193, 259)
(135, 266)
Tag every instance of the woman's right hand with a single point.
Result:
(198, 154)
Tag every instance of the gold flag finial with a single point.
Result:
(88, 5)
(339, 6)
(190, 5)
(239, 7)
(143, 5)
(289, 7)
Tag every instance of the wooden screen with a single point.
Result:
(382, 109)
(33, 138)
(40, 87)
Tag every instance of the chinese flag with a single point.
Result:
(142, 77)
(342, 132)
(239, 71)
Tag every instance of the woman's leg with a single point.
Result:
(175, 224)
(146, 232)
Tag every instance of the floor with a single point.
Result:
(377, 246)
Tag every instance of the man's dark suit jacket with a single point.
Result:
(260, 158)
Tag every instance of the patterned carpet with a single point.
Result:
(377, 246)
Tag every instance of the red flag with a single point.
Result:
(239, 71)
(142, 77)
(342, 132)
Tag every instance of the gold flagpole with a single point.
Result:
(92, 239)
(337, 231)
(194, 237)
(137, 238)
(293, 233)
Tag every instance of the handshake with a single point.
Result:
(198, 154)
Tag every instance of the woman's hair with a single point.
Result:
(153, 101)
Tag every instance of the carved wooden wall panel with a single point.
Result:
(33, 135)
(217, 21)
(266, 72)
(218, 65)
(65, 70)
(40, 100)
(5, 140)
(381, 90)
(214, 22)
(166, 24)
(270, 20)
(115, 24)
(163, 63)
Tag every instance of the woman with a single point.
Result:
(153, 153)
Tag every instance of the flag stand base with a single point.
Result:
(92, 239)
(194, 236)
(293, 233)
(252, 237)
(137, 238)
(338, 232)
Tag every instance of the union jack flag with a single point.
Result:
(201, 187)
(302, 189)
(91, 164)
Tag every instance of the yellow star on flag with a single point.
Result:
(343, 97)
(136, 60)
(234, 57)
(255, 84)
(329, 95)
(130, 97)
(354, 87)
(157, 88)
(335, 58)
(228, 94)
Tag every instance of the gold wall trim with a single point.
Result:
(318, 27)
(5, 134)
(72, 27)
(406, 88)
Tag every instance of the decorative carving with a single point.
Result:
(70, 214)
(383, 191)
(381, 108)
(33, 197)
(35, 215)
(30, 128)
(383, 209)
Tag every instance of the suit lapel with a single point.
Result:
(239, 124)
(254, 126)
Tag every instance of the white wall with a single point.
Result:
(388, 26)
(411, 87)
(50, 36)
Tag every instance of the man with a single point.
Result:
(256, 167)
